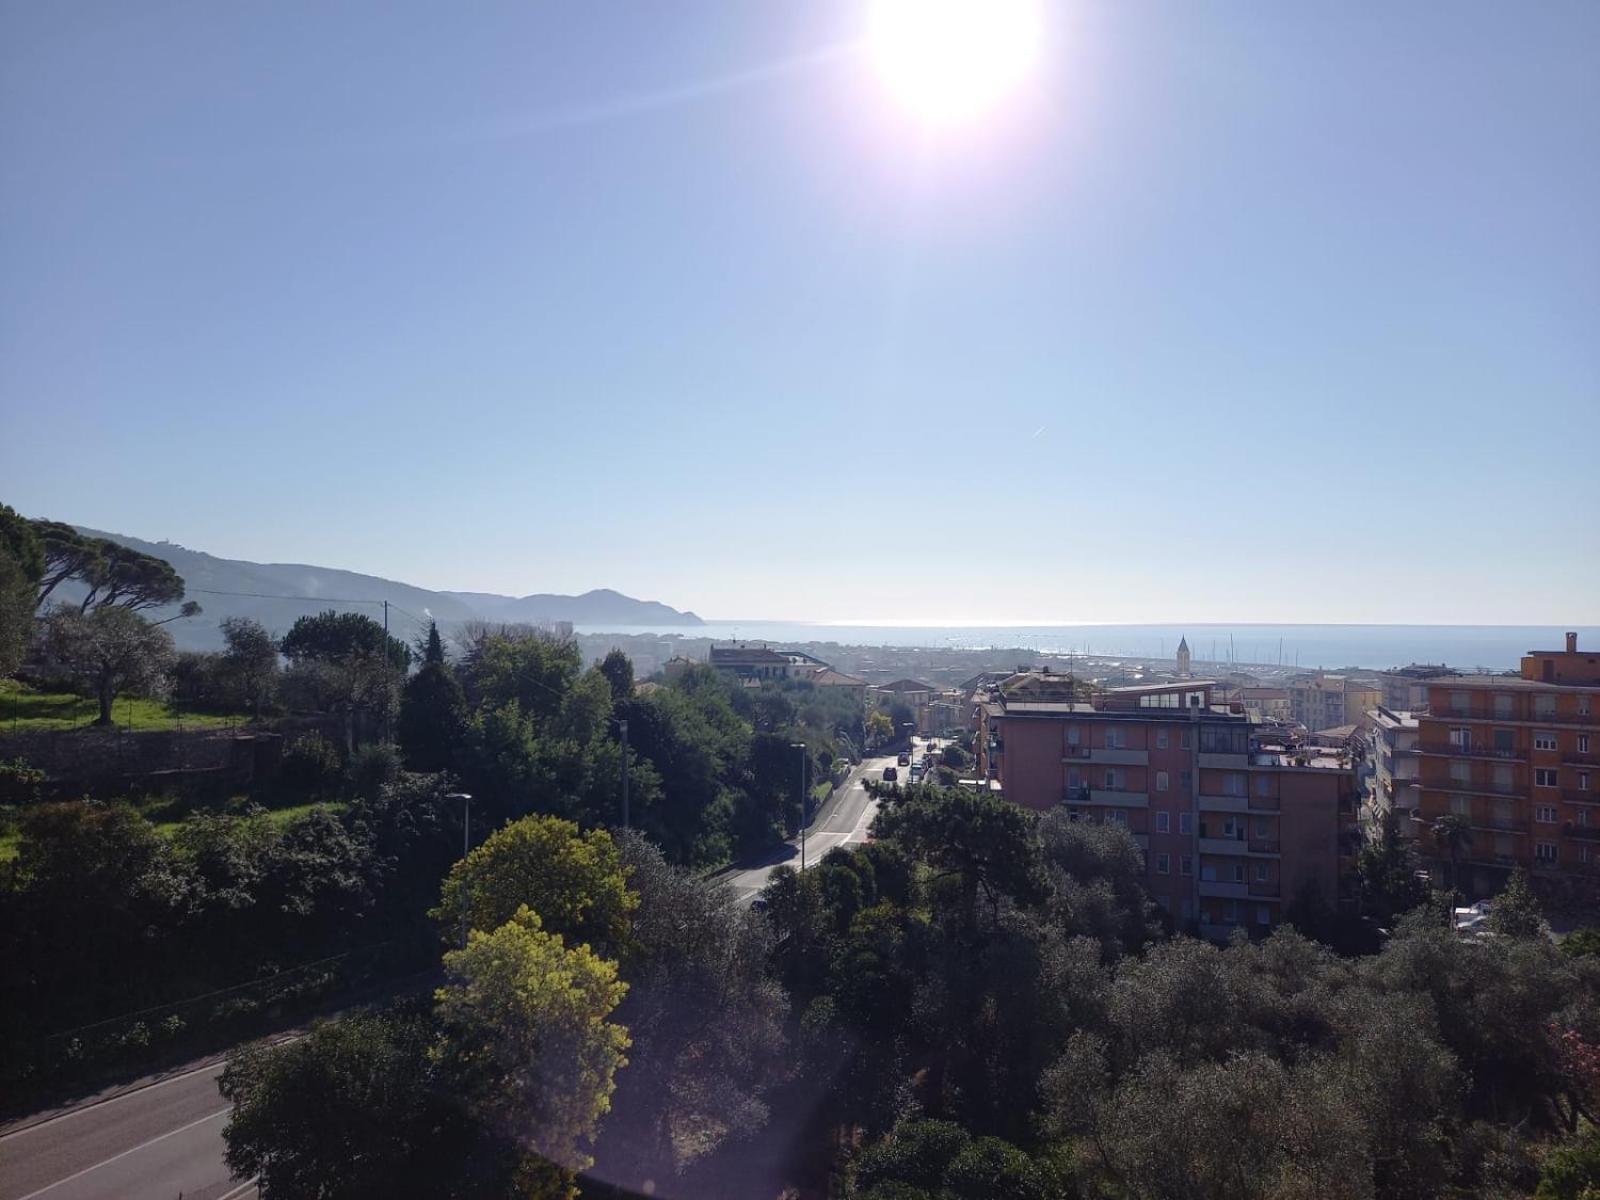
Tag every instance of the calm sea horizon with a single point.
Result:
(1491, 647)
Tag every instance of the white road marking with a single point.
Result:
(221, 1112)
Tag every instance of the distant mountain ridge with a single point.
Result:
(277, 593)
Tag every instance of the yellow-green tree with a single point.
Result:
(525, 1030)
(576, 882)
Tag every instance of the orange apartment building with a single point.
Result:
(1519, 757)
(1232, 832)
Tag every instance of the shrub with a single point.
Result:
(372, 768)
(310, 765)
(19, 783)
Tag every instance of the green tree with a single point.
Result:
(1516, 910)
(617, 667)
(1572, 1172)
(1452, 833)
(334, 636)
(988, 844)
(879, 728)
(526, 1033)
(249, 663)
(358, 1107)
(575, 881)
(1387, 875)
(530, 668)
(109, 651)
(1582, 943)
(433, 716)
(21, 568)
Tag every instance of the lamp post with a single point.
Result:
(805, 763)
(466, 846)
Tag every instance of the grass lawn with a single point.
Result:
(276, 817)
(820, 792)
(24, 709)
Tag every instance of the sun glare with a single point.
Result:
(948, 62)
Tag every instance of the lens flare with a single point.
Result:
(949, 62)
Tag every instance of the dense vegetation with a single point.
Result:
(976, 1003)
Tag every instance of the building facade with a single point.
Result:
(1232, 832)
(1405, 689)
(1518, 757)
(1324, 701)
(751, 664)
(1392, 786)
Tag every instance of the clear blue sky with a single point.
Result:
(1268, 311)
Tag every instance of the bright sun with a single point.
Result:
(950, 61)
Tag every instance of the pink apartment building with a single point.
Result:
(1232, 831)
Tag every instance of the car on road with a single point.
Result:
(890, 775)
(904, 760)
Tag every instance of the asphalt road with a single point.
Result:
(158, 1140)
(842, 821)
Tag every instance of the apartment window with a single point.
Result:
(1544, 740)
(1461, 806)
(1162, 739)
(1238, 872)
(1115, 777)
(1163, 821)
(1545, 814)
(1544, 777)
(1502, 777)
(1183, 739)
(1505, 740)
(1185, 822)
(1461, 702)
(1164, 903)
(1264, 827)
(1544, 706)
(1583, 854)
(1188, 908)
(1583, 743)
(1186, 781)
(1583, 706)
(1261, 872)
(1074, 735)
(1117, 817)
(1208, 873)
(1233, 784)
(1503, 705)
(1114, 739)
(1186, 865)
(1461, 738)
(1263, 915)
(1161, 781)
(1581, 817)
(1544, 852)
(1230, 913)
(1163, 864)
(1583, 781)
(1460, 772)
(1263, 785)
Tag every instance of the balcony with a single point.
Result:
(1580, 796)
(1075, 754)
(1265, 888)
(1117, 756)
(1104, 797)
(1226, 803)
(1473, 787)
(1476, 750)
(1266, 846)
(1580, 760)
(1225, 891)
(1226, 762)
(1498, 824)
(1222, 845)
(1584, 833)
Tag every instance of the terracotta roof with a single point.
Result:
(832, 678)
(905, 685)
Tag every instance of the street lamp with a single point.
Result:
(805, 764)
(466, 845)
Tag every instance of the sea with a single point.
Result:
(1466, 647)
